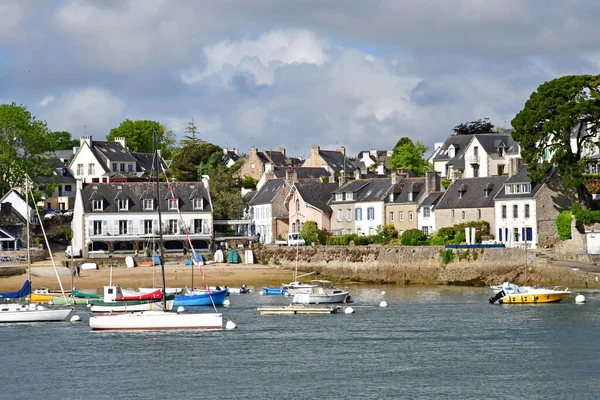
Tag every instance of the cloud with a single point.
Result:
(92, 111)
(46, 101)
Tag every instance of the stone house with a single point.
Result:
(123, 217)
(258, 162)
(307, 201)
(63, 197)
(470, 199)
(334, 161)
(526, 211)
(301, 173)
(372, 161)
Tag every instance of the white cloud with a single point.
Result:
(46, 101)
(15, 15)
(86, 111)
(262, 56)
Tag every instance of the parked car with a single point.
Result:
(293, 239)
(68, 213)
(53, 214)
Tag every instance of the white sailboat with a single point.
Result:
(28, 312)
(157, 320)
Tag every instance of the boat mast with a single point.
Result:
(28, 217)
(296, 274)
(160, 234)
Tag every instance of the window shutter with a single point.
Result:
(104, 227)
(500, 234)
(141, 231)
(130, 227)
(522, 233)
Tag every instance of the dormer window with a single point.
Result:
(391, 197)
(148, 204)
(123, 205)
(349, 196)
(501, 151)
(460, 194)
(339, 197)
(97, 205)
(451, 152)
(172, 204)
(486, 192)
(198, 204)
(410, 196)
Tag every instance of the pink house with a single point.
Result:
(307, 201)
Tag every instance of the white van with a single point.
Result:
(68, 252)
(295, 239)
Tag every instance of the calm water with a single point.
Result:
(431, 342)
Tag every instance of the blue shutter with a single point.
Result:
(523, 234)
(500, 234)
(356, 214)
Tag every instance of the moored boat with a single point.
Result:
(32, 313)
(111, 303)
(323, 292)
(274, 291)
(510, 293)
(201, 298)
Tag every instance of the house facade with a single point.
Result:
(258, 162)
(526, 211)
(270, 218)
(334, 161)
(307, 201)
(123, 217)
(373, 161)
(469, 200)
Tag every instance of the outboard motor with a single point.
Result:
(244, 289)
(497, 297)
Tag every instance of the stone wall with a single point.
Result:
(424, 265)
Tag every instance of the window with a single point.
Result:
(515, 211)
(79, 169)
(123, 205)
(298, 206)
(426, 212)
(503, 212)
(526, 210)
(460, 194)
(410, 216)
(349, 196)
(68, 188)
(91, 169)
(172, 226)
(401, 216)
(426, 230)
(486, 192)
(148, 204)
(122, 167)
(391, 215)
(529, 234)
(500, 169)
(293, 227)
(410, 196)
(123, 227)
(252, 165)
(516, 234)
(172, 204)
(358, 214)
(370, 213)
(475, 172)
(348, 214)
(452, 214)
(198, 226)
(97, 205)
(338, 197)
(97, 228)
(339, 214)
(501, 153)
(198, 204)
(462, 214)
(478, 213)
(147, 226)
(475, 151)
(114, 167)
(391, 198)
(129, 167)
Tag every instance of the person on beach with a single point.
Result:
(78, 271)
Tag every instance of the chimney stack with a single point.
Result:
(432, 182)
(253, 151)
(121, 141)
(85, 139)
(514, 165)
(291, 176)
(281, 150)
(342, 150)
(314, 151)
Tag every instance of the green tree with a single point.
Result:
(559, 111)
(63, 140)
(24, 140)
(413, 237)
(226, 196)
(474, 127)
(139, 136)
(409, 155)
(310, 232)
(196, 159)
(192, 133)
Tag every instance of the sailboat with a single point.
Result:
(28, 312)
(157, 320)
(297, 287)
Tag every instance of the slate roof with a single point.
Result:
(61, 173)
(490, 142)
(521, 177)
(431, 199)
(405, 186)
(460, 141)
(145, 162)
(302, 172)
(376, 190)
(64, 155)
(113, 151)
(352, 186)
(315, 193)
(135, 192)
(473, 193)
(336, 160)
(268, 191)
(232, 155)
(248, 196)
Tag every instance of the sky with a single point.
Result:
(283, 73)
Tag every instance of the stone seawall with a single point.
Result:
(426, 265)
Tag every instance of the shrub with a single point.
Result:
(447, 256)
(563, 225)
(586, 217)
(310, 232)
(459, 238)
(249, 182)
(412, 237)
(436, 241)
(447, 233)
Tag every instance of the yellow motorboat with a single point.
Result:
(535, 295)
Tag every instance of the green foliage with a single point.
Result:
(437, 241)
(312, 234)
(481, 228)
(24, 140)
(586, 217)
(474, 127)
(196, 159)
(409, 155)
(447, 256)
(346, 239)
(139, 136)
(192, 133)
(545, 127)
(249, 182)
(385, 234)
(447, 233)
(563, 225)
(413, 237)
(226, 198)
(459, 238)
(446, 183)
(63, 140)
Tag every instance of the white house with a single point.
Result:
(372, 161)
(369, 206)
(123, 217)
(426, 213)
(269, 215)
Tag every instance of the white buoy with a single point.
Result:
(227, 302)
(580, 299)
(287, 294)
(180, 309)
(230, 325)
(75, 318)
(383, 304)
(382, 292)
(348, 310)
(88, 305)
(261, 292)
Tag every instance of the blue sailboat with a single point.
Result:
(274, 291)
(201, 298)
(23, 292)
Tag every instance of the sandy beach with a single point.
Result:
(232, 275)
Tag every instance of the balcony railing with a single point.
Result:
(473, 159)
(140, 232)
